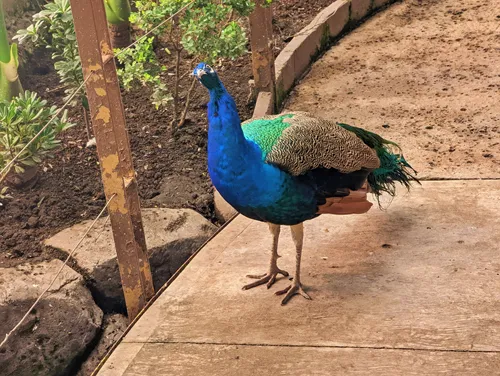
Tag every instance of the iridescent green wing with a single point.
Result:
(266, 131)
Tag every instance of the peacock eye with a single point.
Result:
(209, 68)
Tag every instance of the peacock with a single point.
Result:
(288, 168)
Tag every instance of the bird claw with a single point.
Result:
(293, 289)
(268, 278)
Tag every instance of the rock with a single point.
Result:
(165, 260)
(114, 326)
(223, 210)
(57, 332)
(172, 235)
(26, 179)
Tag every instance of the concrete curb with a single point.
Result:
(298, 55)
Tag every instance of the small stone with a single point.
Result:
(204, 200)
(488, 155)
(33, 222)
(91, 143)
(153, 194)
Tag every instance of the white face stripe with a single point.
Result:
(200, 73)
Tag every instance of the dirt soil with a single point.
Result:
(431, 83)
(69, 189)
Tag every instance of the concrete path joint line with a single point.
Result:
(442, 350)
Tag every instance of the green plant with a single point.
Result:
(140, 64)
(118, 14)
(205, 30)
(3, 194)
(10, 85)
(20, 121)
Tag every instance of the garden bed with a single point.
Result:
(171, 171)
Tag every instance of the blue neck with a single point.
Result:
(227, 146)
(235, 165)
(224, 123)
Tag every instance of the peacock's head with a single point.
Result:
(207, 76)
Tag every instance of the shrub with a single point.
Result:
(20, 120)
(206, 30)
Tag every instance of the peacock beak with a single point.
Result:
(200, 73)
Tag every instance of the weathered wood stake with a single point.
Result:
(261, 39)
(113, 147)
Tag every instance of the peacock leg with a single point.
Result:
(269, 277)
(296, 286)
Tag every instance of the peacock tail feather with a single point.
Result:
(393, 166)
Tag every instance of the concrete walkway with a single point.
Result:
(412, 290)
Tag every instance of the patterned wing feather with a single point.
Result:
(304, 142)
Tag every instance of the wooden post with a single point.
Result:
(261, 39)
(113, 147)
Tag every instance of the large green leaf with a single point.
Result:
(10, 86)
(117, 11)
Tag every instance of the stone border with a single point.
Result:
(308, 44)
(298, 55)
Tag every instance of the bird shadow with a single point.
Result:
(360, 257)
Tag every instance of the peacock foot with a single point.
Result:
(293, 289)
(268, 278)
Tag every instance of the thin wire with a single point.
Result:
(155, 28)
(11, 163)
(57, 274)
